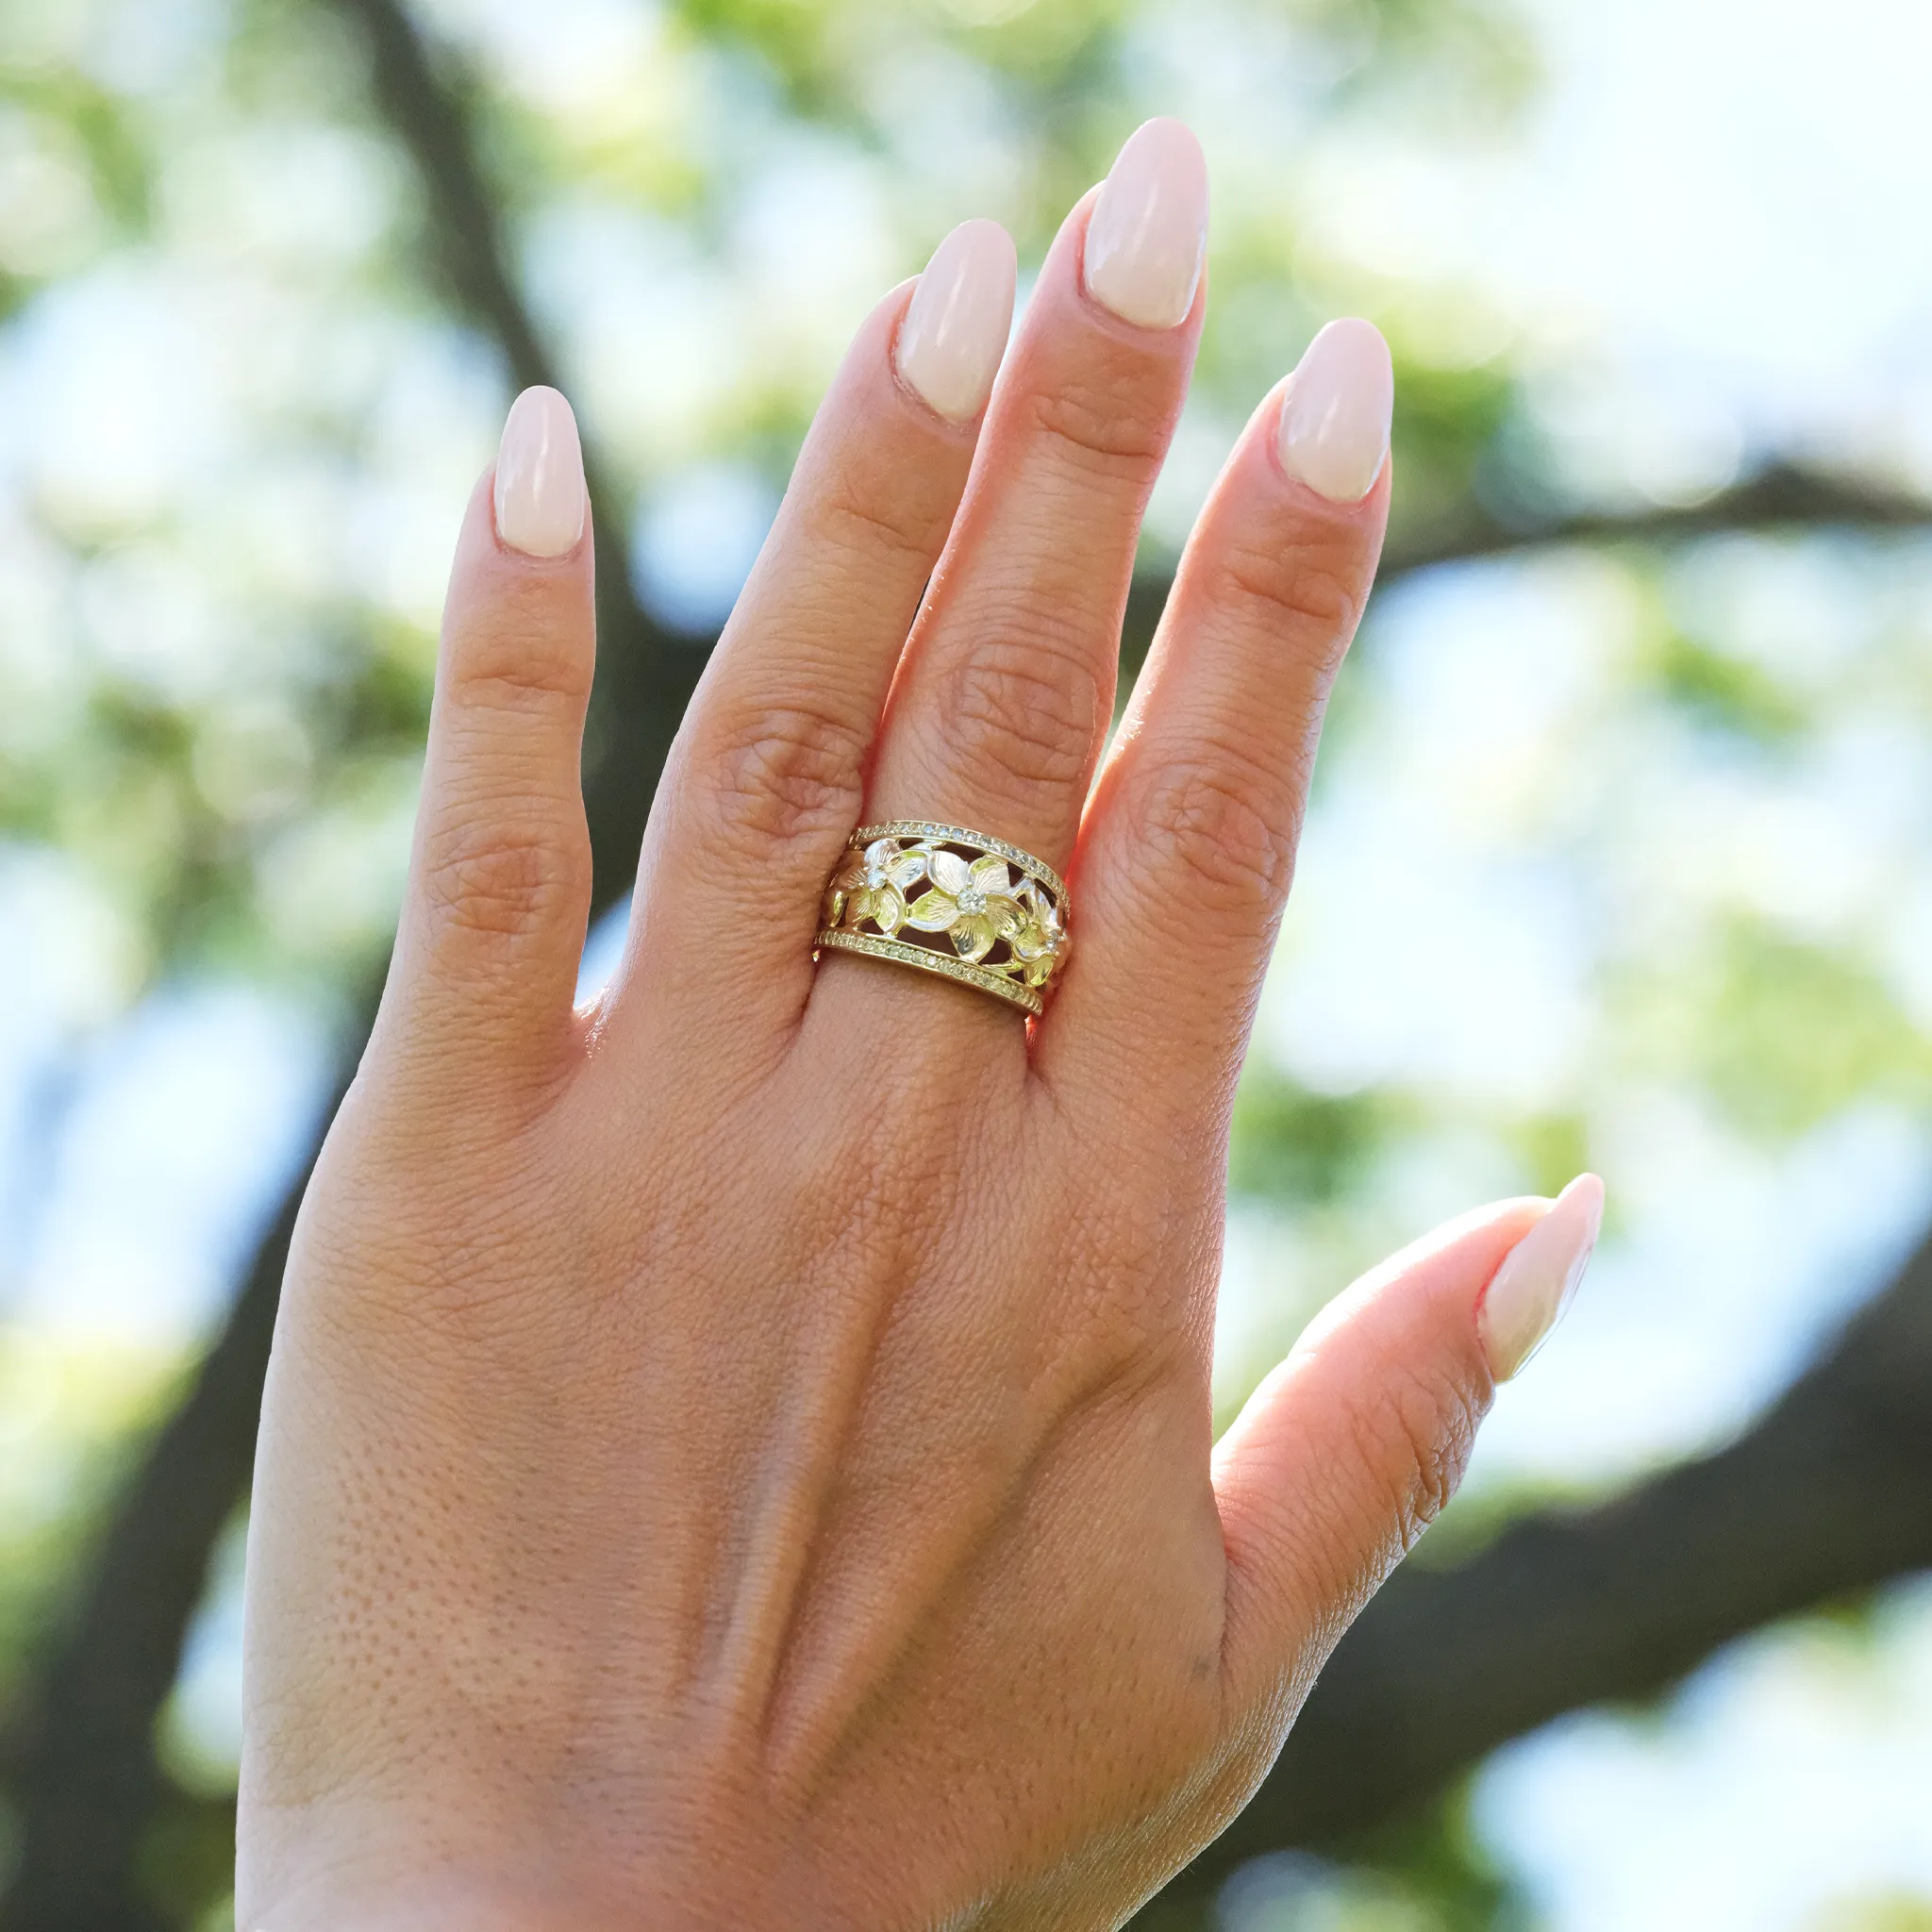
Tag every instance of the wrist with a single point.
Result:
(322, 1884)
(443, 1905)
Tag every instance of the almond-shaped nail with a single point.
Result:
(1334, 434)
(540, 477)
(1148, 232)
(957, 323)
(1539, 1276)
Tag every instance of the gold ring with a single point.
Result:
(989, 915)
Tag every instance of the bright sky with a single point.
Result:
(1728, 194)
(1710, 230)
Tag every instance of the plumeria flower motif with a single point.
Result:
(974, 905)
(871, 885)
(1041, 940)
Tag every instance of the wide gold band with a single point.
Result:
(950, 901)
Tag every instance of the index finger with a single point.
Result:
(1189, 842)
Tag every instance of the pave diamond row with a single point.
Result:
(927, 960)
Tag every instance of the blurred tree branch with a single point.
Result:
(1833, 1491)
(81, 1762)
(1780, 496)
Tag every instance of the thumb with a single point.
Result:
(1347, 1452)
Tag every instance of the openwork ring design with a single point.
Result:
(952, 901)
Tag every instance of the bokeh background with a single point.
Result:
(1620, 852)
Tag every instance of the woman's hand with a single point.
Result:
(740, 1456)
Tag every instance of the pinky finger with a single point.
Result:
(499, 888)
(1346, 1452)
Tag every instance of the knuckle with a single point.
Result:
(781, 774)
(523, 660)
(863, 509)
(1225, 829)
(1420, 1433)
(1312, 593)
(1021, 714)
(498, 882)
(1102, 423)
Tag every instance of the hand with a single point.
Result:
(740, 1456)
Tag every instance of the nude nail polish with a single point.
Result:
(1334, 432)
(540, 494)
(1148, 232)
(957, 323)
(1538, 1277)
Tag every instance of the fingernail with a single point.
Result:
(1334, 431)
(1539, 1276)
(540, 477)
(1148, 231)
(957, 323)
